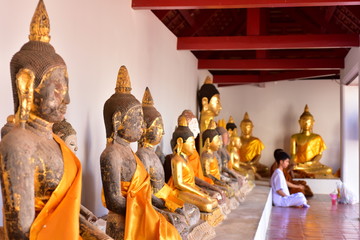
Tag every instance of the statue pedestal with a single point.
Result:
(202, 231)
(214, 218)
(321, 186)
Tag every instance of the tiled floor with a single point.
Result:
(321, 221)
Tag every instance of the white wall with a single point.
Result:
(275, 110)
(95, 38)
(350, 122)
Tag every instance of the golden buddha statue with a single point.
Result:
(40, 175)
(230, 126)
(127, 190)
(251, 147)
(209, 102)
(307, 147)
(183, 177)
(188, 226)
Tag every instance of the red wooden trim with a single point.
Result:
(271, 64)
(306, 41)
(221, 4)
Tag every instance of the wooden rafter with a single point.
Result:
(217, 4)
(271, 64)
(306, 41)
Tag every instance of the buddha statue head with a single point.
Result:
(123, 114)
(67, 133)
(230, 126)
(246, 126)
(38, 75)
(306, 121)
(154, 127)
(209, 98)
(183, 139)
(224, 135)
(191, 120)
(211, 137)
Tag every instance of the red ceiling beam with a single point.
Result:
(305, 41)
(271, 64)
(221, 4)
(266, 77)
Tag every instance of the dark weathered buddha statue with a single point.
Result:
(175, 207)
(307, 148)
(251, 148)
(126, 184)
(40, 176)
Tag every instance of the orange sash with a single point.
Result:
(248, 151)
(59, 218)
(142, 221)
(194, 161)
(309, 150)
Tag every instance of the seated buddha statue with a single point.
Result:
(40, 175)
(251, 147)
(183, 177)
(230, 126)
(127, 192)
(209, 102)
(175, 207)
(307, 148)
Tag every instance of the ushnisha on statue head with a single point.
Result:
(38, 75)
(123, 114)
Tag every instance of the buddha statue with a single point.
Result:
(209, 102)
(67, 133)
(127, 192)
(175, 207)
(230, 126)
(40, 175)
(195, 163)
(251, 147)
(183, 177)
(307, 148)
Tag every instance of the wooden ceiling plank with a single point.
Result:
(230, 79)
(222, 4)
(271, 64)
(306, 41)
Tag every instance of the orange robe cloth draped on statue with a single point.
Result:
(194, 161)
(142, 221)
(59, 217)
(309, 150)
(247, 152)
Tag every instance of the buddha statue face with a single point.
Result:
(51, 96)
(188, 147)
(306, 123)
(215, 144)
(214, 105)
(246, 128)
(153, 134)
(132, 125)
(71, 142)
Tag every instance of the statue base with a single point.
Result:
(202, 231)
(234, 203)
(214, 218)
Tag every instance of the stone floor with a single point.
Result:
(243, 222)
(321, 221)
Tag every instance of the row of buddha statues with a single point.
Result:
(183, 197)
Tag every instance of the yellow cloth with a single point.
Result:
(194, 161)
(248, 151)
(142, 221)
(309, 150)
(172, 202)
(59, 217)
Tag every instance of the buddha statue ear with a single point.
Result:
(116, 121)
(179, 145)
(207, 144)
(205, 103)
(25, 89)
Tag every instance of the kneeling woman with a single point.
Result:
(280, 191)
